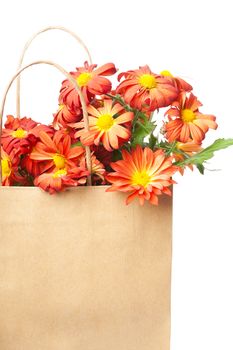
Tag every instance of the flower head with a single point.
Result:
(107, 124)
(64, 117)
(9, 165)
(17, 134)
(60, 178)
(56, 152)
(98, 171)
(91, 81)
(189, 148)
(21, 134)
(143, 173)
(145, 90)
(181, 84)
(185, 121)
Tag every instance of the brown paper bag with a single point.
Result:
(80, 270)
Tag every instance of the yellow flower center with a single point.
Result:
(59, 161)
(19, 134)
(83, 79)
(105, 122)
(59, 173)
(187, 115)
(148, 81)
(166, 73)
(6, 167)
(141, 178)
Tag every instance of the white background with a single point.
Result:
(193, 40)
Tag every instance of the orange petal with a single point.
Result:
(47, 141)
(124, 118)
(106, 69)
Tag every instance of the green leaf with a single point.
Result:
(120, 100)
(116, 155)
(76, 144)
(141, 130)
(170, 148)
(201, 168)
(199, 158)
(152, 142)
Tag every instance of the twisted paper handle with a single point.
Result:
(27, 46)
(82, 100)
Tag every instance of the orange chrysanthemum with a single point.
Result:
(56, 152)
(185, 121)
(181, 84)
(106, 125)
(64, 117)
(190, 148)
(91, 81)
(143, 173)
(59, 179)
(9, 165)
(97, 170)
(145, 90)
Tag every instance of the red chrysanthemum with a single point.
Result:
(91, 81)
(186, 122)
(17, 134)
(145, 90)
(20, 134)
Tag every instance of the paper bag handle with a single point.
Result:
(27, 46)
(82, 100)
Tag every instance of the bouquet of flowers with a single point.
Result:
(139, 134)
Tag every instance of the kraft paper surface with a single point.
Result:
(80, 270)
